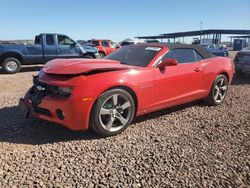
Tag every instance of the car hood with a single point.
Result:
(81, 66)
(91, 49)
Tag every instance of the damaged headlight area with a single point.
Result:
(64, 91)
(51, 90)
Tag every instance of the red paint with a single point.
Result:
(107, 49)
(154, 88)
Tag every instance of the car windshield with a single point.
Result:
(134, 55)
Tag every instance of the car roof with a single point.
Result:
(100, 40)
(201, 50)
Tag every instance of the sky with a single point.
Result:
(118, 19)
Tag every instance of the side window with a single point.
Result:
(105, 43)
(37, 40)
(181, 55)
(113, 45)
(64, 40)
(198, 56)
(50, 40)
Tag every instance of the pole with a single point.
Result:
(200, 32)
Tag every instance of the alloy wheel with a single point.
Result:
(220, 90)
(115, 112)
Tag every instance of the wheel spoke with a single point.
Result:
(216, 95)
(110, 123)
(223, 88)
(115, 99)
(121, 118)
(104, 111)
(125, 105)
(220, 96)
(221, 82)
(217, 88)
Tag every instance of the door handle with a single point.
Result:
(197, 69)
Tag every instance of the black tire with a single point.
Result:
(88, 57)
(211, 98)
(11, 65)
(95, 118)
(102, 55)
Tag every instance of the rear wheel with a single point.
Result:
(11, 65)
(113, 112)
(218, 91)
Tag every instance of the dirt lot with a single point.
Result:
(192, 145)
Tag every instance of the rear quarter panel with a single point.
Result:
(212, 67)
(31, 54)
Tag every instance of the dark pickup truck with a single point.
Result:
(47, 47)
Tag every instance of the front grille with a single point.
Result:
(43, 88)
(42, 111)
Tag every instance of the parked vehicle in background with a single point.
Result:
(90, 49)
(151, 41)
(216, 49)
(130, 41)
(242, 61)
(105, 47)
(106, 94)
(47, 46)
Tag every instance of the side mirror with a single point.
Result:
(167, 62)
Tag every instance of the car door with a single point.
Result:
(106, 46)
(180, 83)
(67, 48)
(49, 47)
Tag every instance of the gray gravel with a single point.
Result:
(192, 145)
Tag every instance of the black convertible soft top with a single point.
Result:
(201, 50)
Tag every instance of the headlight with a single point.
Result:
(64, 91)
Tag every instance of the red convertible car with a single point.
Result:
(106, 94)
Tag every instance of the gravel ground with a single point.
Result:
(192, 145)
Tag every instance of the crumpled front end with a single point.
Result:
(46, 100)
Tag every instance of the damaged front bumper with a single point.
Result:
(70, 112)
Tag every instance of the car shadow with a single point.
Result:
(34, 131)
(241, 80)
(14, 128)
(167, 111)
(31, 68)
(26, 69)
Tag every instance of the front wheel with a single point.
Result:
(218, 91)
(113, 112)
